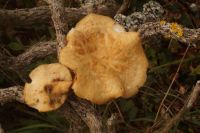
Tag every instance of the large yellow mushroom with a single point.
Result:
(108, 61)
(48, 88)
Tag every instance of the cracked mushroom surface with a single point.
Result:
(108, 61)
(48, 88)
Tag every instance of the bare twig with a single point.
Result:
(124, 7)
(1, 129)
(76, 123)
(170, 86)
(19, 63)
(188, 105)
(39, 50)
(60, 24)
(88, 114)
(111, 123)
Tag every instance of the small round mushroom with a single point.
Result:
(108, 61)
(48, 88)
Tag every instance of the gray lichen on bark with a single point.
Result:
(11, 94)
(149, 23)
(152, 11)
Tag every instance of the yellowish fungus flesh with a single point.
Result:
(108, 62)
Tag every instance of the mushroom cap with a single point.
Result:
(108, 61)
(47, 91)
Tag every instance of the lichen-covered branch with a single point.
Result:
(13, 93)
(169, 30)
(42, 15)
(152, 12)
(147, 22)
(150, 22)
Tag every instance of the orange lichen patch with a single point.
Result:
(177, 29)
(162, 22)
(108, 61)
(47, 91)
